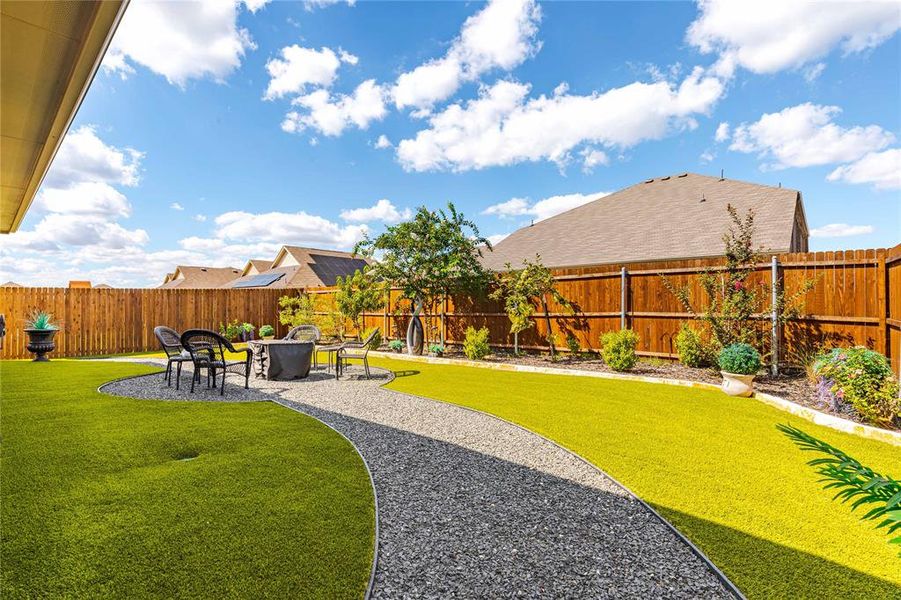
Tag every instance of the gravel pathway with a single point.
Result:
(472, 506)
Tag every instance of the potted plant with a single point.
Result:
(41, 330)
(436, 350)
(246, 332)
(739, 364)
(396, 346)
(267, 332)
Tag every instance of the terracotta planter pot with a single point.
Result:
(736, 384)
(40, 342)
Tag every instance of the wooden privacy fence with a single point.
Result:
(856, 300)
(112, 321)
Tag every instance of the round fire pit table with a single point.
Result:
(281, 359)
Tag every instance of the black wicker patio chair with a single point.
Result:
(171, 343)
(306, 333)
(354, 350)
(207, 349)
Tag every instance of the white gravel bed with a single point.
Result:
(472, 506)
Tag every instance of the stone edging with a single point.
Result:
(810, 414)
(375, 494)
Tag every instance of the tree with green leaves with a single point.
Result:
(433, 255)
(520, 289)
(357, 294)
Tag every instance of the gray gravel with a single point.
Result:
(471, 506)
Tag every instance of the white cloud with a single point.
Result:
(85, 157)
(332, 115)
(592, 157)
(707, 156)
(299, 67)
(383, 142)
(543, 209)
(804, 135)
(497, 238)
(383, 210)
(347, 57)
(769, 36)
(313, 4)
(812, 72)
(503, 126)
(255, 5)
(200, 218)
(176, 206)
(840, 230)
(84, 198)
(501, 35)
(882, 169)
(722, 132)
(299, 228)
(180, 40)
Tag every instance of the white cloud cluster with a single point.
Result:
(299, 67)
(331, 115)
(805, 135)
(767, 36)
(383, 210)
(882, 169)
(500, 36)
(503, 126)
(299, 228)
(180, 40)
(542, 209)
(840, 230)
(83, 156)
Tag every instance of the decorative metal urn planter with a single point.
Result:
(40, 342)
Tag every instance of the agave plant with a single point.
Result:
(853, 481)
(40, 320)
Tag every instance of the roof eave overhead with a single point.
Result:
(50, 54)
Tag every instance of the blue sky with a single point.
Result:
(214, 133)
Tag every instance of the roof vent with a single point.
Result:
(703, 199)
(722, 174)
(648, 180)
(664, 178)
(683, 175)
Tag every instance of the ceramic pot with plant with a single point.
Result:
(246, 332)
(267, 332)
(436, 350)
(739, 363)
(396, 346)
(41, 330)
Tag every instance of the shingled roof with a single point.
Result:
(680, 216)
(255, 266)
(298, 267)
(191, 277)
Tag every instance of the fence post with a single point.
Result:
(774, 333)
(622, 298)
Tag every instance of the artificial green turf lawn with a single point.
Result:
(714, 465)
(95, 502)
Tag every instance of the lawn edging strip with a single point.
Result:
(810, 414)
(697, 551)
(375, 496)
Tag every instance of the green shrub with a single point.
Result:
(266, 330)
(475, 345)
(618, 349)
(739, 358)
(692, 349)
(436, 349)
(231, 331)
(396, 345)
(376, 338)
(862, 378)
(575, 348)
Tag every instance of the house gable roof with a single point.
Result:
(668, 218)
(255, 266)
(190, 277)
(301, 267)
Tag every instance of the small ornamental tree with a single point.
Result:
(733, 301)
(357, 294)
(520, 289)
(434, 254)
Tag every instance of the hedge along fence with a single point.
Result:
(113, 321)
(856, 301)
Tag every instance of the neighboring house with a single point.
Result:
(191, 277)
(103, 286)
(80, 284)
(296, 267)
(255, 266)
(11, 284)
(669, 218)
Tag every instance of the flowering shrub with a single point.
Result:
(618, 349)
(861, 378)
(475, 345)
(739, 358)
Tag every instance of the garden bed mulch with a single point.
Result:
(792, 384)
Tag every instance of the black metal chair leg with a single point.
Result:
(178, 376)
(222, 384)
